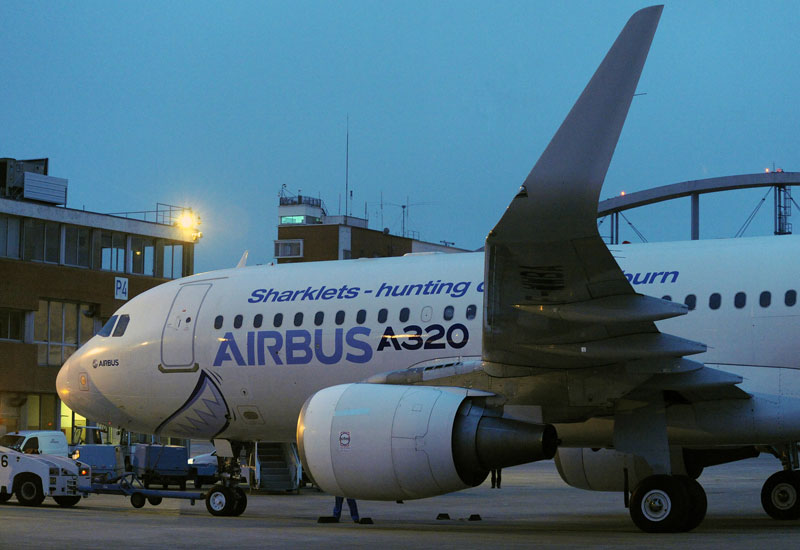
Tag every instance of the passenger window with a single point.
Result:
(339, 317)
(667, 297)
(790, 298)
(218, 322)
(691, 301)
(298, 319)
(122, 325)
(448, 313)
(404, 313)
(237, 321)
(318, 318)
(383, 314)
(277, 321)
(765, 298)
(740, 300)
(714, 301)
(106, 330)
(257, 320)
(361, 316)
(472, 310)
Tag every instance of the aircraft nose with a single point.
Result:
(66, 382)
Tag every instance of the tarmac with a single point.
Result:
(533, 509)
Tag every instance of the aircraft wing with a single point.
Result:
(555, 297)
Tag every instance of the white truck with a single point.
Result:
(32, 477)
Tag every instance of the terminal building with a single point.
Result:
(63, 272)
(306, 233)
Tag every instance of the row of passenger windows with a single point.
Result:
(339, 317)
(739, 299)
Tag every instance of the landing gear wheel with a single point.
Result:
(698, 503)
(4, 497)
(241, 502)
(780, 495)
(220, 501)
(66, 501)
(154, 501)
(660, 504)
(29, 491)
(137, 500)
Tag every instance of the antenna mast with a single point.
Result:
(347, 173)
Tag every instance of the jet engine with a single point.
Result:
(392, 442)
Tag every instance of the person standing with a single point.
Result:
(351, 503)
(496, 476)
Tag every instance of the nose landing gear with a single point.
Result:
(226, 498)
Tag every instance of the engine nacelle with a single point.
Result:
(392, 442)
(600, 469)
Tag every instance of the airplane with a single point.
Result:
(635, 366)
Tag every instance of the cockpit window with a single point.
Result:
(106, 330)
(122, 325)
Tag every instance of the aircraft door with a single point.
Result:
(177, 338)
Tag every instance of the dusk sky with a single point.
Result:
(218, 105)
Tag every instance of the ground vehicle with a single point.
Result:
(164, 464)
(47, 442)
(32, 477)
(203, 469)
(105, 459)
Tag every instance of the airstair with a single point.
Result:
(276, 467)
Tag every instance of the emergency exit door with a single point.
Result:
(177, 338)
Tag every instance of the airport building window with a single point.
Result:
(218, 322)
(112, 251)
(404, 313)
(142, 255)
(691, 301)
(319, 318)
(277, 321)
(12, 324)
(122, 324)
(298, 319)
(258, 320)
(59, 328)
(361, 316)
(714, 301)
(289, 248)
(448, 313)
(9, 236)
(472, 310)
(76, 246)
(765, 298)
(41, 241)
(790, 298)
(173, 261)
(339, 319)
(740, 300)
(237, 321)
(383, 314)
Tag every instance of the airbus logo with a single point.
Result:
(105, 363)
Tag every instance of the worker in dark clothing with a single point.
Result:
(351, 503)
(496, 475)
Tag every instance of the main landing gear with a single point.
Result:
(668, 504)
(226, 498)
(780, 495)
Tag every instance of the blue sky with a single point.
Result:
(217, 105)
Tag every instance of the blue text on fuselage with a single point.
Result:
(300, 347)
(652, 277)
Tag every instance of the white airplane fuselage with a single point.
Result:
(175, 372)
